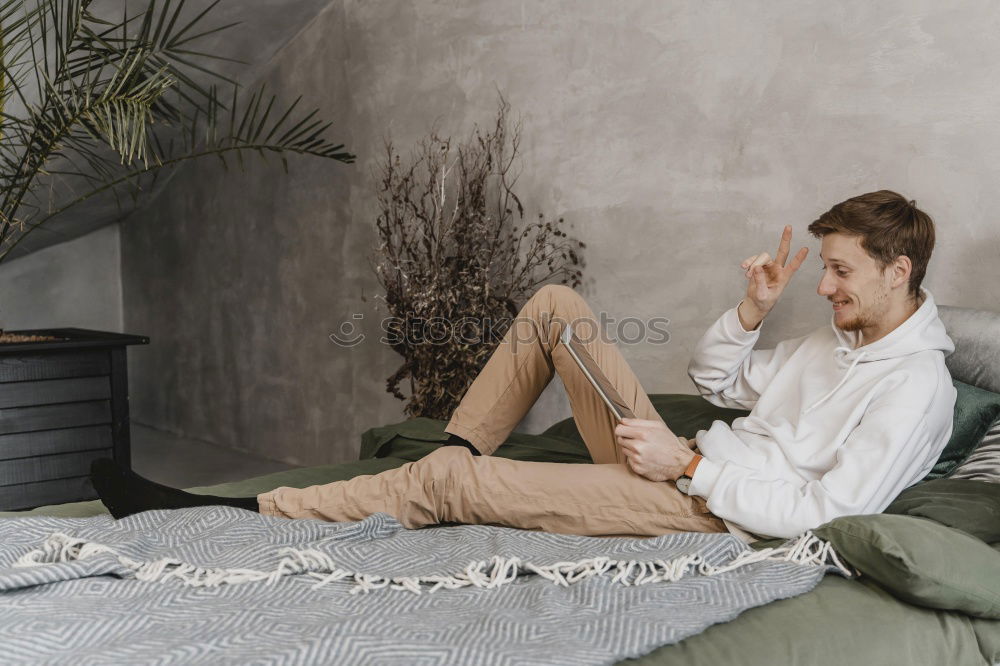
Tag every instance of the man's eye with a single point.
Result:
(842, 273)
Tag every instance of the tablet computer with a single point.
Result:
(609, 394)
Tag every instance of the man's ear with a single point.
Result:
(900, 271)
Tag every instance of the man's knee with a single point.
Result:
(563, 305)
(446, 462)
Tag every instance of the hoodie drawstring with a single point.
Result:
(841, 383)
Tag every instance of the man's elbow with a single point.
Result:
(701, 382)
(827, 511)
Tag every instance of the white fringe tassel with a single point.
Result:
(806, 549)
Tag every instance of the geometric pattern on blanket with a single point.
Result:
(165, 587)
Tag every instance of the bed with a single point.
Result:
(870, 618)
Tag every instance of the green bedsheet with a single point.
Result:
(840, 622)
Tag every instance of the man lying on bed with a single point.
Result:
(842, 419)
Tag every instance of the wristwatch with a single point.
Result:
(684, 480)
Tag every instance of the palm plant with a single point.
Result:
(96, 106)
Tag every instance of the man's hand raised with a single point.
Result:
(766, 279)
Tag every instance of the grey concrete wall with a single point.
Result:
(73, 284)
(678, 137)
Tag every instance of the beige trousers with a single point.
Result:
(451, 485)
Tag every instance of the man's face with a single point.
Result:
(853, 282)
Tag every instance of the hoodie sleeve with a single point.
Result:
(726, 368)
(891, 446)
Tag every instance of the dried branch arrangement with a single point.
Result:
(457, 259)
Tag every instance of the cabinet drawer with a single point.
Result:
(47, 442)
(30, 495)
(47, 468)
(26, 367)
(53, 391)
(50, 417)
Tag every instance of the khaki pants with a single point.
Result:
(451, 485)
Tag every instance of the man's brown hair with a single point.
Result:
(889, 226)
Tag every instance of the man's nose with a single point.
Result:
(826, 287)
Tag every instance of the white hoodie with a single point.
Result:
(833, 430)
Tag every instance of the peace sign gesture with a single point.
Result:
(766, 279)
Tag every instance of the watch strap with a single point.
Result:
(692, 466)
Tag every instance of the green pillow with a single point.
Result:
(975, 411)
(970, 506)
(920, 561)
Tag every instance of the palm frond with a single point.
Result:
(159, 33)
(106, 104)
(123, 109)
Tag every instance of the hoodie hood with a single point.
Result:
(922, 331)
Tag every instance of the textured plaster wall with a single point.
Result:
(677, 137)
(73, 284)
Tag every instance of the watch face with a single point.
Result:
(684, 484)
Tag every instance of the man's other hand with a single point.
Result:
(766, 279)
(651, 450)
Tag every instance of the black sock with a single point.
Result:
(124, 492)
(455, 440)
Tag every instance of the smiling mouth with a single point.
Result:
(839, 304)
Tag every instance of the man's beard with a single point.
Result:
(860, 322)
(870, 316)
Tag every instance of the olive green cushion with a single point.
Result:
(920, 561)
(970, 506)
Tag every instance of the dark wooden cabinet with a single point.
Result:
(63, 403)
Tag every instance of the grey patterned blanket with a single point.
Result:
(220, 585)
